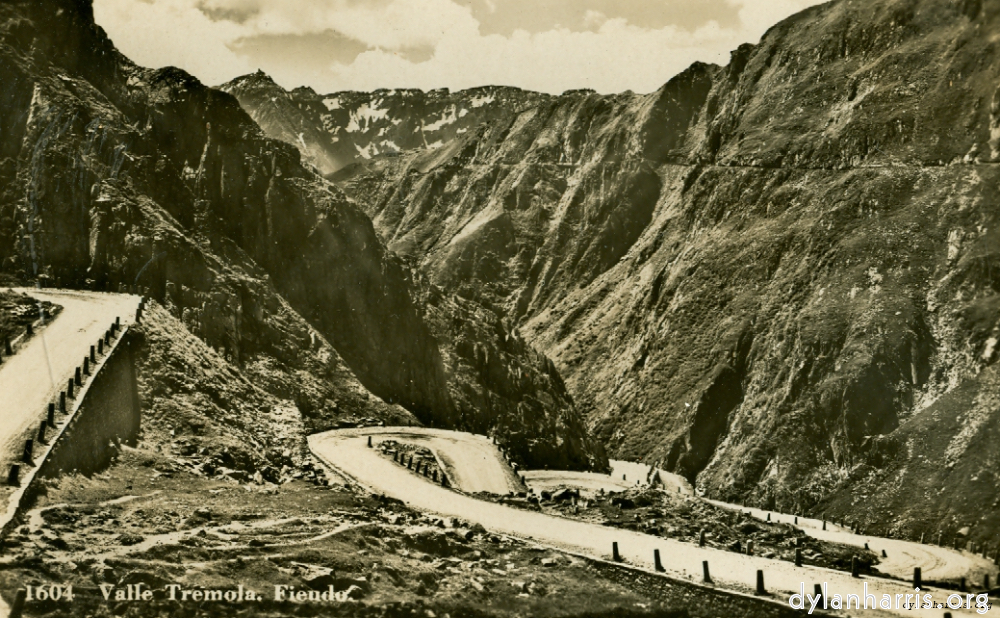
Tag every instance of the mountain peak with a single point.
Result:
(257, 79)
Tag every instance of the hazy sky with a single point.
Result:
(547, 45)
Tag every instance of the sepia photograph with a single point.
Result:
(499, 308)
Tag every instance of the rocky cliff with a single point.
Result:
(777, 277)
(114, 175)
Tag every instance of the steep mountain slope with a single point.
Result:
(118, 175)
(337, 130)
(776, 277)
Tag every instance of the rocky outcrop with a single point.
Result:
(761, 276)
(122, 176)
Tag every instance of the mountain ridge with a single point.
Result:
(770, 276)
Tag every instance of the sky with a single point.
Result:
(335, 45)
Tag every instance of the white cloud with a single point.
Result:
(594, 18)
(172, 33)
(392, 24)
(617, 56)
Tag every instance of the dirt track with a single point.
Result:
(347, 452)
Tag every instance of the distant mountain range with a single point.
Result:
(338, 130)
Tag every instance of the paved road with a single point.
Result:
(624, 475)
(348, 453)
(936, 563)
(40, 369)
(473, 463)
(589, 483)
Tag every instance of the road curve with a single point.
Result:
(347, 452)
(473, 463)
(40, 369)
(936, 563)
(624, 475)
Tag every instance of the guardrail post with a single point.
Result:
(701, 539)
(62, 402)
(617, 557)
(444, 480)
(86, 366)
(28, 448)
(17, 610)
(78, 377)
(760, 582)
(796, 520)
(854, 566)
(657, 564)
(7, 349)
(916, 577)
(52, 415)
(93, 354)
(768, 517)
(824, 524)
(30, 330)
(961, 584)
(118, 322)
(100, 346)
(705, 575)
(818, 593)
(14, 476)
(435, 477)
(369, 441)
(41, 432)
(986, 581)
(884, 554)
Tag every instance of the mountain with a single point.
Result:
(777, 278)
(114, 175)
(338, 130)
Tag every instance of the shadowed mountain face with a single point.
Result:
(778, 277)
(114, 175)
